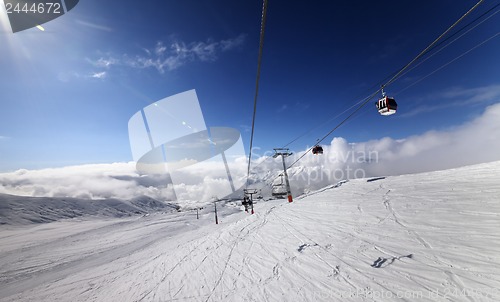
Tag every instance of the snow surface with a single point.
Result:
(422, 237)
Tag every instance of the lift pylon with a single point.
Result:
(284, 152)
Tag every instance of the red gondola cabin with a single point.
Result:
(386, 105)
(317, 150)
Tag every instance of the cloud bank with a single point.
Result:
(477, 141)
(457, 97)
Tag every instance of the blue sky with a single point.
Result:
(67, 93)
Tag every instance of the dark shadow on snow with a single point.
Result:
(388, 261)
(304, 246)
(375, 179)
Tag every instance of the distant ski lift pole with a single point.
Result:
(284, 153)
(215, 205)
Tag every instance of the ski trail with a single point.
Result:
(236, 241)
(243, 232)
(455, 280)
(388, 206)
(286, 226)
(165, 275)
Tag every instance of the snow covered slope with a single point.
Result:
(422, 237)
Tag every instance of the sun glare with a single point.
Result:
(4, 20)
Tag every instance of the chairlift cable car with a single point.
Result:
(317, 149)
(386, 105)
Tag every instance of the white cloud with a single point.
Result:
(164, 57)
(102, 63)
(105, 62)
(99, 75)
(118, 180)
(94, 25)
(232, 43)
(474, 142)
(160, 49)
(473, 95)
(456, 97)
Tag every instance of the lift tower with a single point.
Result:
(284, 152)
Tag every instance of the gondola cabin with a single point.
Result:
(386, 106)
(317, 150)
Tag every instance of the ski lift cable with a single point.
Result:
(393, 79)
(269, 157)
(315, 127)
(432, 48)
(338, 125)
(321, 125)
(362, 105)
(467, 25)
(423, 52)
(394, 76)
(326, 122)
(279, 173)
(259, 63)
(448, 63)
(453, 41)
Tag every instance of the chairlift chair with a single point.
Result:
(279, 190)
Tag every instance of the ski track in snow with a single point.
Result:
(431, 235)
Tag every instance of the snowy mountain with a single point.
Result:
(421, 237)
(16, 210)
